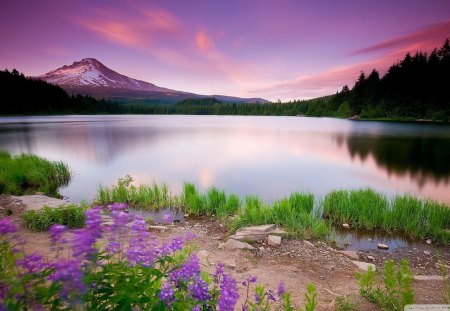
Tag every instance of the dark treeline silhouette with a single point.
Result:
(417, 87)
(21, 95)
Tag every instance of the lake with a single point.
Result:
(265, 156)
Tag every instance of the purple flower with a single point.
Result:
(32, 263)
(94, 221)
(196, 308)
(177, 243)
(120, 218)
(139, 251)
(190, 236)
(199, 290)
(270, 296)
(257, 298)
(228, 293)
(6, 226)
(118, 206)
(83, 243)
(4, 290)
(219, 272)
(167, 293)
(281, 289)
(69, 273)
(56, 232)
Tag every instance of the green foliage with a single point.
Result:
(346, 303)
(396, 291)
(26, 173)
(310, 297)
(445, 282)
(370, 210)
(71, 216)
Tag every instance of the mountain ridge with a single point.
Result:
(91, 77)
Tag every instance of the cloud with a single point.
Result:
(203, 42)
(429, 37)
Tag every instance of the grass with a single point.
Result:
(301, 214)
(71, 216)
(370, 210)
(24, 174)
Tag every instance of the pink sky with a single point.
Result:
(275, 49)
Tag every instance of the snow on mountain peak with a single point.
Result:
(89, 72)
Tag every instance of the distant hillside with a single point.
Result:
(90, 77)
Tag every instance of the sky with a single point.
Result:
(274, 49)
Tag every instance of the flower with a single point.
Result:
(228, 293)
(167, 293)
(6, 226)
(69, 273)
(32, 263)
(219, 272)
(257, 298)
(281, 289)
(56, 232)
(83, 243)
(118, 206)
(199, 290)
(139, 251)
(94, 221)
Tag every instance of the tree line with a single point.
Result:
(416, 87)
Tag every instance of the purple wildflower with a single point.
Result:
(190, 236)
(228, 293)
(219, 272)
(140, 252)
(94, 221)
(4, 290)
(120, 218)
(257, 298)
(118, 206)
(177, 243)
(270, 296)
(69, 273)
(199, 290)
(196, 308)
(56, 232)
(281, 289)
(6, 226)
(83, 243)
(167, 293)
(32, 263)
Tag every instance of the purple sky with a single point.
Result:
(275, 49)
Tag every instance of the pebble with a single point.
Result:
(370, 257)
(309, 243)
(346, 226)
(428, 241)
(383, 246)
(427, 253)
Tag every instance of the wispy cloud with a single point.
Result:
(203, 42)
(426, 38)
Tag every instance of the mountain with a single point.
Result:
(91, 77)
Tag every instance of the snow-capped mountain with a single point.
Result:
(90, 77)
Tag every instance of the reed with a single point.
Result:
(27, 174)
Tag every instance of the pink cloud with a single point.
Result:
(426, 38)
(203, 42)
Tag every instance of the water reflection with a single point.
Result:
(265, 156)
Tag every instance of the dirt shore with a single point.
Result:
(295, 262)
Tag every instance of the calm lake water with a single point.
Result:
(265, 156)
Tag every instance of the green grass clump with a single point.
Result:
(71, 216)
(369, 210)
(294, 213)
(214, 202)
(26, 173)
(150, 197)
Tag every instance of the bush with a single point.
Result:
(70, 216)
(396, 291)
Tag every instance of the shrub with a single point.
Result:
(396, 291)
(70, 216)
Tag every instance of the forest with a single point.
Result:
(414, 88)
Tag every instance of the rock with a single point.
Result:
(370, 257)
(350, 254)
(273, 240)
(159, 228)
(186, 215)
(235, 244)
(428, 241)
(203, 254)
(309, 243)
(37, 202)
(383, 246)
(429, 277)
(254, 233)
(346, 226)
(369, 240)
(364, 265)
(278, 231)
(221, 245)
(108, 223)
(427, 253)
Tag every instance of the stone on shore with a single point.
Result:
(37, 202)
(235, 244)
(383, 246)
(346, 226)
(255, 233)
(350, 254)
(364, 265)
(273, 240)
(159, 228)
